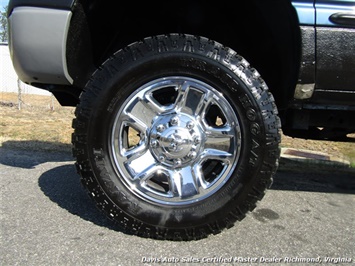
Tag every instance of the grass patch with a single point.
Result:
(40, 125)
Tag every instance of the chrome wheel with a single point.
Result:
(175, 141)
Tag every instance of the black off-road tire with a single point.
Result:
(185, 176)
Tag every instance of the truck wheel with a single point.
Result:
(176, 137)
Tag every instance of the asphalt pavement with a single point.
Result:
(47, 219)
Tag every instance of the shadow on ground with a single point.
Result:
(330, 181)
(61, 184)
(28, 154)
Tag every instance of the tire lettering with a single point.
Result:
(136, 53)
(251, 114)
(215, 71)
(230, 82)
(254, 145)
(253, 159)
(245, 101)
(200, 65)
(112, 104)
(255, 129)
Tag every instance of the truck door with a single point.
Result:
(335, 51)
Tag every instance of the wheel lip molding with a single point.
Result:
(37, 44)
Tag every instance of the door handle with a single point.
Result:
(346, 19)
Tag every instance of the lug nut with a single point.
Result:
(190, 125)
(160, 128)
(154, 143)
(174, 121)
(173, 145)
(162, 158)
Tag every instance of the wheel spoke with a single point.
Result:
(142, 112)
(140, 164)
(130, 120)
(190, 100)
(218, 155)
(205, 102)
(184, 183)
(133, 153)
(219, 138)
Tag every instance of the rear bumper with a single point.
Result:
(37, 42)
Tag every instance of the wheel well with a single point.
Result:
(266, 34)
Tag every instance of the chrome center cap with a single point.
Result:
(175, 140)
